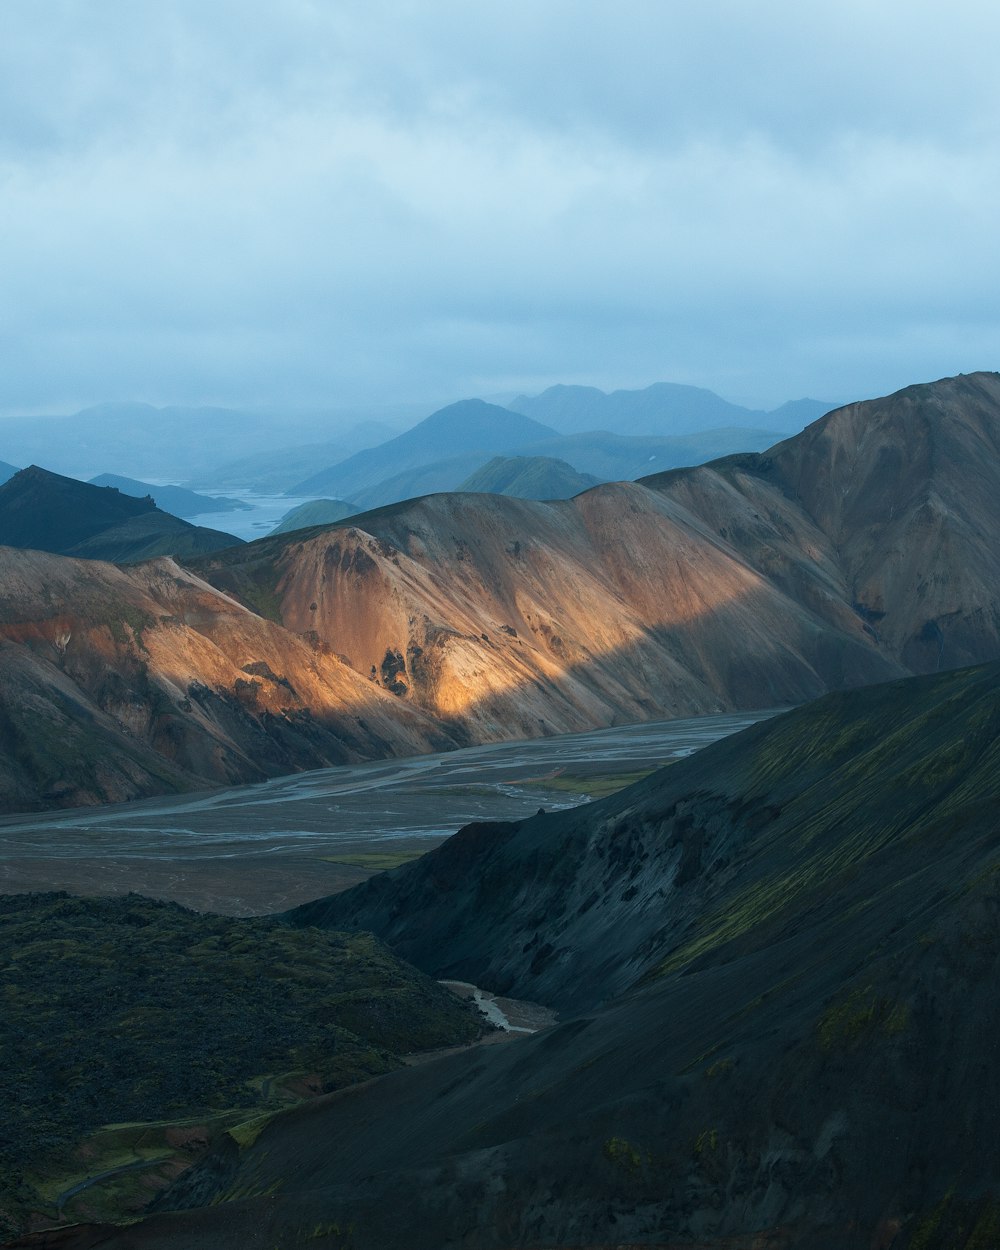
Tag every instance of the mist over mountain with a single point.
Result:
(279, 469)
(664, 409)
(140, 440)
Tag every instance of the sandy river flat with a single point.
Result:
(262, 848)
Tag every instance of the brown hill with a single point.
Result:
(116, 683)
(861, 549)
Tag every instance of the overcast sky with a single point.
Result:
(347, 203)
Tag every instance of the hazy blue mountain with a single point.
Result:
(7, 471)
(315, 512)
(529, 477)
(425, 479)
(45, 511)
(176, 500)
(599, 455)
(139, 440)
(623, 457)
(278, 470)
(665, 409)
(468, 426)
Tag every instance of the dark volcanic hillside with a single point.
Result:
(44, 511)
(807, 1062)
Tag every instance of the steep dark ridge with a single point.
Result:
(121, 682)
(45, 511)
(575, 907)
(470, 425)
(809, 1063)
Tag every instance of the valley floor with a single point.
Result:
(252, 850)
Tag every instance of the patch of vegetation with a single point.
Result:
(860, 1014)
(623, 1154)
(374, 861)
(128, 1009)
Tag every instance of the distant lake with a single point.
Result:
(263, 515)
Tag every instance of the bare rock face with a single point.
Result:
(860, 550)
(118, 683)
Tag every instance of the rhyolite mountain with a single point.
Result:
(665, 408)
(858, 551)
(529, 477)
(471, 425)
(48, 512)
(176, 500)
(121, 682)
(799, 928)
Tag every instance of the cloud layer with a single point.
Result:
(328, 204)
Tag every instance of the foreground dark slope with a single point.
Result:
(808, 1060)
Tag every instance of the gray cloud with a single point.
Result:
(324, 203)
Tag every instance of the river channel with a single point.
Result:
(261, 848)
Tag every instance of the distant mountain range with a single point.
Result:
(47, 512)
(442, 452)
(469, 426)
(857, 551)
(665, 409)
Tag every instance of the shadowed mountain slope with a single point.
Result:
(44, 511)
(812, 909)
(901, 496)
